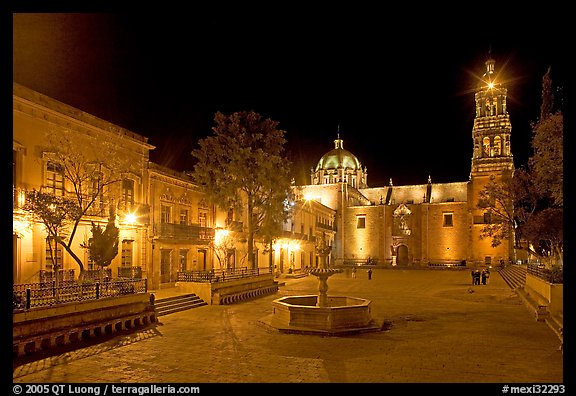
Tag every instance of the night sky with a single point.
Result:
(399, 88)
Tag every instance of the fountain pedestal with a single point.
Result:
(322, 313)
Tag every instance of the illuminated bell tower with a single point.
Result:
(492, 128)
(492, 159)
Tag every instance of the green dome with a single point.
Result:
(338, 158)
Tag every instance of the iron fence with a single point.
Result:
(222, 275)
(552, 275)
(34, 295)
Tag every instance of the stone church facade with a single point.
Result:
(419, 225)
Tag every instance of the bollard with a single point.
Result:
(28, 298)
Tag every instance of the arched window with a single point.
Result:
(497, 146)
(486, 146)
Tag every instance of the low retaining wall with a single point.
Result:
(546, 301)
(544, 293)
(231, 291)
(42, 328)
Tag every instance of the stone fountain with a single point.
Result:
(322, 313)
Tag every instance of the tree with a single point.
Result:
(89, 167)
(56, 214)
(103, 246)
(548, 159)
(242, 167)
(496, 199)
(547, 164)
(222, 244)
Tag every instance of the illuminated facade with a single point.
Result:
(425, 224)
(39, 125)
(166, 223)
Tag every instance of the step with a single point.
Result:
(176, 299)
(515, 277)
(168, 305)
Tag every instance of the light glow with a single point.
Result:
(130, 218)
(220, 235)
(21, 227)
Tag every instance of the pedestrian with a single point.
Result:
(473, 273)
(369, 273)
(354, 272)
(483, 277)
(477, 277)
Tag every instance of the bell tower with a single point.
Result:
(492, 128)
(491, 160)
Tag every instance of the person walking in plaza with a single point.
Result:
(354, 272)
(369, 273)
(477, 277)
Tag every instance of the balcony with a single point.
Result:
(184, 232)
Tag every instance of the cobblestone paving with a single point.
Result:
(438, 329)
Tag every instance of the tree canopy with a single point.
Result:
(103, 246)
(89, 169)
(242, 167)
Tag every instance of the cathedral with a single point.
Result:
(432, 224)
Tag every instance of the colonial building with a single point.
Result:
(167, 225)
(49, 139)
(425, 224)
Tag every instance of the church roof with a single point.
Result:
(338, 158)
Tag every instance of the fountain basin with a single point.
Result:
(340, 314)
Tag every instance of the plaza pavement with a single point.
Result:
(437, 328)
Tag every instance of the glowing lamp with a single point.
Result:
(130, 218)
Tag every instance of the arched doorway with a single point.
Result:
(402, 255)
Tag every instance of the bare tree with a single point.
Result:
(89, 167)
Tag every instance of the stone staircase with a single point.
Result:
(514, 275)
(168, 305)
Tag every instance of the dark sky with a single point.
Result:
(399, 87)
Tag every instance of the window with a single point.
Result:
(14, 156)
(486, 146)
(96, 192)
(127, 253)
(165, 214)
(55, 179)
(53, 251)
(128, 192)
(230, 216)
(448, 220)
(182, 266)
(91, 263)
(497, 145)
(202, 218)
(95, 187)
(361, 221)
(183, 216)
(14, 191)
